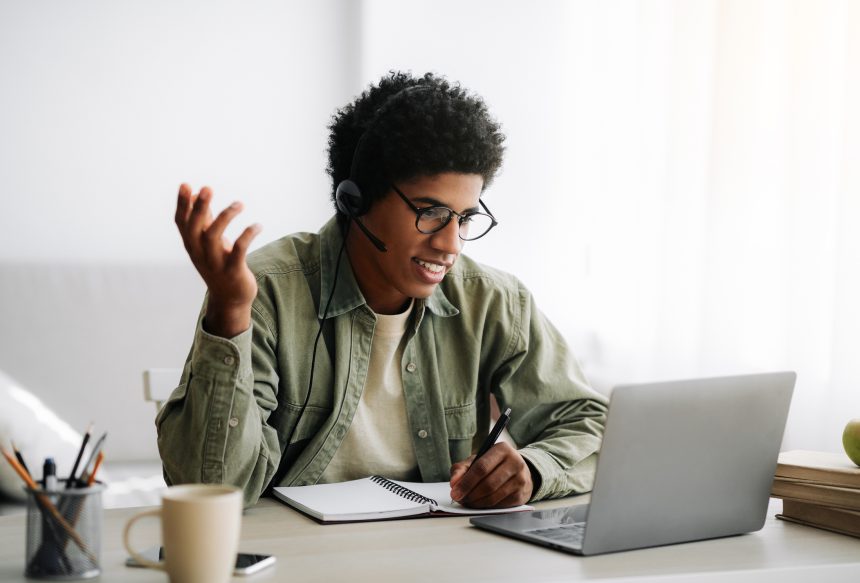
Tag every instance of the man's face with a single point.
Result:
(415, 263)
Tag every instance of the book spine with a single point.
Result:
(844, 520)
(821, 525)
(823, 495)
(820, 476)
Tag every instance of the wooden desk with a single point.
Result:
(449, 549)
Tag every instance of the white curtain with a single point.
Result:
(681, 190)
(714, 194)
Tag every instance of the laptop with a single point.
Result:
(680, 461)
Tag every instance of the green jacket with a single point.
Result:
(480, 332)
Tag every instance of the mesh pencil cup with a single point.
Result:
(64, 530)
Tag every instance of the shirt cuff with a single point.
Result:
(214, 355)
(547, 469)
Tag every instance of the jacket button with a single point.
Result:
(229, 360)
(411, 367)
(422, 434)
(233, 422)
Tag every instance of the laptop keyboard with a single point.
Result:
(570, 534)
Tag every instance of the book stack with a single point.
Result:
(819, 489)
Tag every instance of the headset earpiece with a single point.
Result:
(348, 199)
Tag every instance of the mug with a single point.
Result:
(200, 526)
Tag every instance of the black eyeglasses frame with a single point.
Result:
(451, 212)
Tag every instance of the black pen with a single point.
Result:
(87, 470)
(72, 482)
(20, 457)
(494, 434)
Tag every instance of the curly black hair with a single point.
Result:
(411, 134)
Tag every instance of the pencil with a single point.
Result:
(25, 475)
(71, 481)
(20, 458)
(92, 479)
(47, 506)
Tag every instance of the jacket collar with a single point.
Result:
(347, 295)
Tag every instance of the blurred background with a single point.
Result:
(681, 189)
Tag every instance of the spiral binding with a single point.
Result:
(401, 491)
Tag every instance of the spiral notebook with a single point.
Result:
(377, 498)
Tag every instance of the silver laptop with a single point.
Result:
(680, 461)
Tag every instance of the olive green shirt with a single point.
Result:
(239, 399)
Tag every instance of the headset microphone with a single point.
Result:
(373, 239)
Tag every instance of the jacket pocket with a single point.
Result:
(460, 422)
(309, 422)
(461, 425)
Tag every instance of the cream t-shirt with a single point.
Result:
(379, 441)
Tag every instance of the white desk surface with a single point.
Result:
(449, 549)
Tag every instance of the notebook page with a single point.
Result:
(441, 493)
(353, 500)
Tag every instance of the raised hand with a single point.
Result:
(221, 264)
(499, 479)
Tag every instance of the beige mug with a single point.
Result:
(200, 526)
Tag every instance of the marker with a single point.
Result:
(49, 475)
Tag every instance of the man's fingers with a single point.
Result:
(493, 488)
(510, 494)
(183, 205)
(213, 236)
(240, 247)
(459, 470)
(200, 216)
(499, 479)
(479, 468)
(474, 476)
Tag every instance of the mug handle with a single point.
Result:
(125, 536)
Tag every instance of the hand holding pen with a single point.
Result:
(495, 477)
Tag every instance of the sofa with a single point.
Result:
(74, 342)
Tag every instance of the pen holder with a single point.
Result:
(64, 533)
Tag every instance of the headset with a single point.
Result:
(351, 202)
(348, 197)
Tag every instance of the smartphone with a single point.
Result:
(246, 563)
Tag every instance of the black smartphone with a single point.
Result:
(246, 563)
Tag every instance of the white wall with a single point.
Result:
(106, 107)
(510, 53)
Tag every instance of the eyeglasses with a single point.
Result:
(431, 219)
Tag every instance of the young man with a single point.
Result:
(373, 346)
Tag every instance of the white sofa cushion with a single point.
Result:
(37, 432)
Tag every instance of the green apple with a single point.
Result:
(851, 440)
